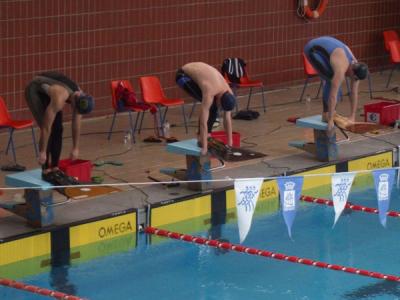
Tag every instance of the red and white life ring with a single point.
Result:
(316, 13)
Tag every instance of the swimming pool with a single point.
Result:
(179, 270)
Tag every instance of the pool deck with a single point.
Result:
(269, 134)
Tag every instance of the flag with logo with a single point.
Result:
(383, 180)
(246, 192)
(289, 195)
(341, 185)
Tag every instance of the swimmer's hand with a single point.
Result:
(204, 151)
(42, 157)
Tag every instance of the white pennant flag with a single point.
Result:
(341, 185)
(246, 192)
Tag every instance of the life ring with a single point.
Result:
(316, 13)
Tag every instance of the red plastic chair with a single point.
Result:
(245, 82)
(114, 101)
(310, 72)
(152, 93)
(7, 122)
(394, 50)
(388, 36)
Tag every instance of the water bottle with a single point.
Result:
(308, 103)
(128, 139)
(166, 129)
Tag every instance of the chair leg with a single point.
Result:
(390, 77)
(165, 115)
(11, 143)
(141, 123)
(34, 142)
(370, 86)
(319, 89)
(263, 99)
(348, 87)
(192, 111)
(248, 99)
(304, 89)
(132, 128)
(112, 126)
(184, 118)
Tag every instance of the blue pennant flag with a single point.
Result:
(384, 180)
(289, 194)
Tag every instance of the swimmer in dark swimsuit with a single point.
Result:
(206, 84)
(333, 60)
(46, 96)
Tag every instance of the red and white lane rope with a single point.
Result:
(349, 205)
(265, 253)
(37, 290)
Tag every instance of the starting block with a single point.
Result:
(198, 167)
(37, 209)
(324, 146)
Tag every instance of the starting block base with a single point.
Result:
(37, 209)
(324, 147)
(198, 167)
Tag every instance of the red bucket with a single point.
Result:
(79, 168)
(221, 136)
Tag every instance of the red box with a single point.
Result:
(221, 136)
(80, 169)
(384, 112)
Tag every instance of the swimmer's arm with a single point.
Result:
(335, 85)
(228, 126)
(354, 99)
(76, 130)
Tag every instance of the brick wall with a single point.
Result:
(94, 41)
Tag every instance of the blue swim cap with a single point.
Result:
(228, 101)
(84, 104)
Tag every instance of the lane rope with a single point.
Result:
(269, 254)
(37, 290)
(348, 205)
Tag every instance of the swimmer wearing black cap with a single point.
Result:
(46, 96)
(333, 61)
(206, 84)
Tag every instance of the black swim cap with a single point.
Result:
(228, 101)
(360, 70)
(84, 104)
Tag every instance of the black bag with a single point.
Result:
(247, 115)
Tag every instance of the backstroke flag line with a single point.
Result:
(341, 185)
(289, 194)
(383, 180)
(246, 192)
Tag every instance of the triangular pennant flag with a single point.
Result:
(246, 192)
(289, 194)
(341, 185)
(384, 180)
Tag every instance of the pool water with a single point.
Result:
(179, 270)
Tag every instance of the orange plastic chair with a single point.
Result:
(152, 93)
(7, 122)
(245, 82)
(114, 101)
(394, 50)
(310, 72)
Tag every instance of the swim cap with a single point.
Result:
(84, 104)
(228, 101)
(360, 70)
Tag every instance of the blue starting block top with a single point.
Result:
(186, 147)
(314, 122)
(31, 178)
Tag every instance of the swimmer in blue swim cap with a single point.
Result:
(206, 84)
